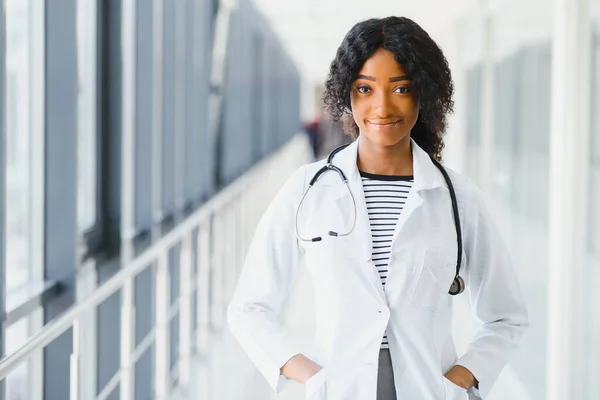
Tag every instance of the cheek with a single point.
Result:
(358, 111)
(409, 108)
(413, 112)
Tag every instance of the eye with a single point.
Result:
(402, 89)
(363, 89)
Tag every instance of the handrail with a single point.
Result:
(62, 323)
(23, 300)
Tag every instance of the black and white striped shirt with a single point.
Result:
(385, 196)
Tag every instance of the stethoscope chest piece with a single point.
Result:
(458, 286)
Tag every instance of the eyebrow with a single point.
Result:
(392, 79)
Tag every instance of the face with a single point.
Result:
(384, 105)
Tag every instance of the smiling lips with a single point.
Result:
(384, 125)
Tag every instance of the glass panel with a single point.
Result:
(18, 144)
(519, 181)
(17, 383)
(169, 98)
(144, 106)
(86, 122)
(174, 339)
(144, 374)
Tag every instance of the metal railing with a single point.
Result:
(219, 232)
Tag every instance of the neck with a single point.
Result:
(385, 160)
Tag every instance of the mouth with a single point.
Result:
(384, 125)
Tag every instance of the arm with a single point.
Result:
(267, 274)
(495, 297)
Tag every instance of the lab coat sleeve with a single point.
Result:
(493, 291)
(264, 283)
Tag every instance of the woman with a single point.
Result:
(381, 283)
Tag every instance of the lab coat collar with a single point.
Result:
(426, 174)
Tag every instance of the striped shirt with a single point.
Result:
(385, 196)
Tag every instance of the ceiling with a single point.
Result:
(312, 30)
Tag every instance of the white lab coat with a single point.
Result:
(352, 310)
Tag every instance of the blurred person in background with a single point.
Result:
(400, 236)
(330, 134)
(312, 130)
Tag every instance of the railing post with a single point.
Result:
(228, 256)
(203, 282)
(87, 335)
(241, 245)
(162, 346)
(74, 362)
(185, 312)
(243, 238)
(128, 43)
(217, 271)
(248, 219)
(126, 385)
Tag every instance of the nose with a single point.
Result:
(382, 105)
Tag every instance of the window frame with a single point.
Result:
(90, 76)
(96, 240)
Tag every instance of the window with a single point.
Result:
(518, 181)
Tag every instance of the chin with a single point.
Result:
(386, 139)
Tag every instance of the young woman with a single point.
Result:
(387, 249)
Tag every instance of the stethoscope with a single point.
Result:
(458, 284)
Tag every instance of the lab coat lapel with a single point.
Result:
(426, 177)
(360, 239)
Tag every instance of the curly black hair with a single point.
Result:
(421, 58)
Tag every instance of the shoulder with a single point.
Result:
(467, 191)
(297, 181)
(471, 201)
(300, 178)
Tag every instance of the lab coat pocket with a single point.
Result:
(453, 391)
(433, 282)
(316, 388)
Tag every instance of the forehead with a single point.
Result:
(382, 65)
